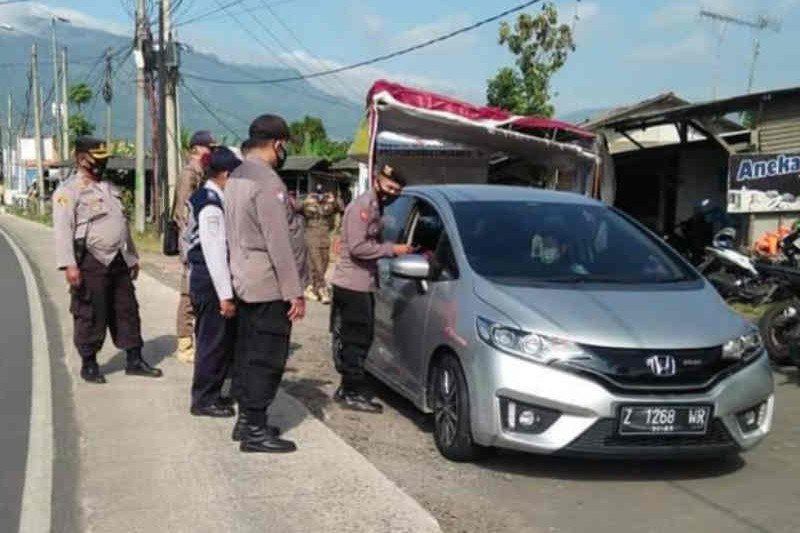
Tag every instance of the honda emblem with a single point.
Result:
(661, 365)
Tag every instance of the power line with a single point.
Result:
(209, 13)
(290, 31)
(214, 14)
(210, 111)
(374, 60)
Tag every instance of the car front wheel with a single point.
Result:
(452, 432)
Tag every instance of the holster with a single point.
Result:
(79, 247)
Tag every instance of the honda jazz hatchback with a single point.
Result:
(552, 323)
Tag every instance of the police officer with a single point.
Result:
(352, 313)
(267, 280)
(320, 210)
(191, 178)
(210, 288)
(95, 249)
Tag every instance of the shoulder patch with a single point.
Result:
(364, 215)
(62, 199)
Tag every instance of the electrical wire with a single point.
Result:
(210, 111)
(214, 14)
(208, 13)
(374, 60)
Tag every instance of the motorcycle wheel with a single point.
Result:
(780, 350)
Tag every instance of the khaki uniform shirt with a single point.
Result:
(361, 245)
(192, 176)
(84, 208)
(268, 260)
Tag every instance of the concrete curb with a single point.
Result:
(182, 473)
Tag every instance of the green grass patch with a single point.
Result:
(149, 241)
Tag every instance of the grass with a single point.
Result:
(149, 241)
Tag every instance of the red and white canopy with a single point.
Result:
(409, 111)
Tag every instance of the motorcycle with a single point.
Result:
(780, 324)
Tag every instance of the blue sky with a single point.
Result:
(628, 50)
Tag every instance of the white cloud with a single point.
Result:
(374, 23)
(692, 49)
(587, 12)
(33, 17)
(354, 84)
(430, 30)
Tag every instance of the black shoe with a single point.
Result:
(214, 411)
(226, 401)
(241, 422)
(256, 439)
(91, 374)
(138, 367)
(356, 401)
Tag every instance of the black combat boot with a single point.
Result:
(356, 401)
(257, 439)
(241, 423)
(90, 371)
(138, 367)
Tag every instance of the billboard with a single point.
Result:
(764, 183)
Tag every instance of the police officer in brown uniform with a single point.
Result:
(266, 260)
(320, 210)
(189, 181)
(353, 310)
(95, 249)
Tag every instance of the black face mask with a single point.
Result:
(282, 155)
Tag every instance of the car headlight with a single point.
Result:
(534, 347)
(743, 348)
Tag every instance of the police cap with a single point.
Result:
(94, 147)
(202, 138)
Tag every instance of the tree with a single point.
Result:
(310, 138)
(80, 94)
(79, 125)
(541, 46)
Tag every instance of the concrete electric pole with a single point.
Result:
(11, 143)
(56, 90)
(163, 21)
(64, 105)
(108, 95)
(37, 124)
(139, 55)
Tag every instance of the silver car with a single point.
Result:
(551, 323)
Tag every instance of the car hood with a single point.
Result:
(627, 318)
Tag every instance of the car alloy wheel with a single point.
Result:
(452, 432)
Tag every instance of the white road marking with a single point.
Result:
(36, 515)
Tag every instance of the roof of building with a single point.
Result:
(661, 101)
(302, 163)
(116, 162)
(347, 163)
(711, 109)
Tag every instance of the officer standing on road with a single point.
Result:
(210, 288)
(320, 210)
(266, 279)
(191, 178)
(353, 310)
(95, 249)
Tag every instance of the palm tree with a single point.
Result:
(80, 94)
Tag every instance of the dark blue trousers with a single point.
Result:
(215, 338)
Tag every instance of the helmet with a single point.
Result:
(725, 238)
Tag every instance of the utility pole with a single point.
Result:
(139, 195)
(760, 24)
(163, 14)
(37, 124)
(64, 105)
(56, 90)
(9, 157)
(108, 95)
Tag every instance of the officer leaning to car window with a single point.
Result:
(95, 250)
(353, 309)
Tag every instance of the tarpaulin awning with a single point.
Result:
(429, 115)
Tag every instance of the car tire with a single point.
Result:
(780, 353)
(452, 431)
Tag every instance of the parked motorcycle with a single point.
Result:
(780, 324)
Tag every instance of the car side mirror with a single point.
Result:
(411, 267)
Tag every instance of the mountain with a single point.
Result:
(234, 105)
(582, 115)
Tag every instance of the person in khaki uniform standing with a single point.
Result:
(191, 178)
(267, 260)
(95, 250)
(320, 210)
(354, 282)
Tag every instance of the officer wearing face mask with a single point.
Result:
(353, 309)
(268, 266)
(95, 250)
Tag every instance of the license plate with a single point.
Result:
(664, 419)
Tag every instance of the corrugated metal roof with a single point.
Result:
(301, 163)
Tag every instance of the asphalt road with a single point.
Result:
(515, 492)
(15, 386)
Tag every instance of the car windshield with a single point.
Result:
(530, 242)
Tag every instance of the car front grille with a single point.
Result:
(626, 370)
(602, 439)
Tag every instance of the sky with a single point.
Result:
(627, 50)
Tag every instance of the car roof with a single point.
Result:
(500, 193)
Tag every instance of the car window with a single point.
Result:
(428, 235)
(530, 242)
(395, 218)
